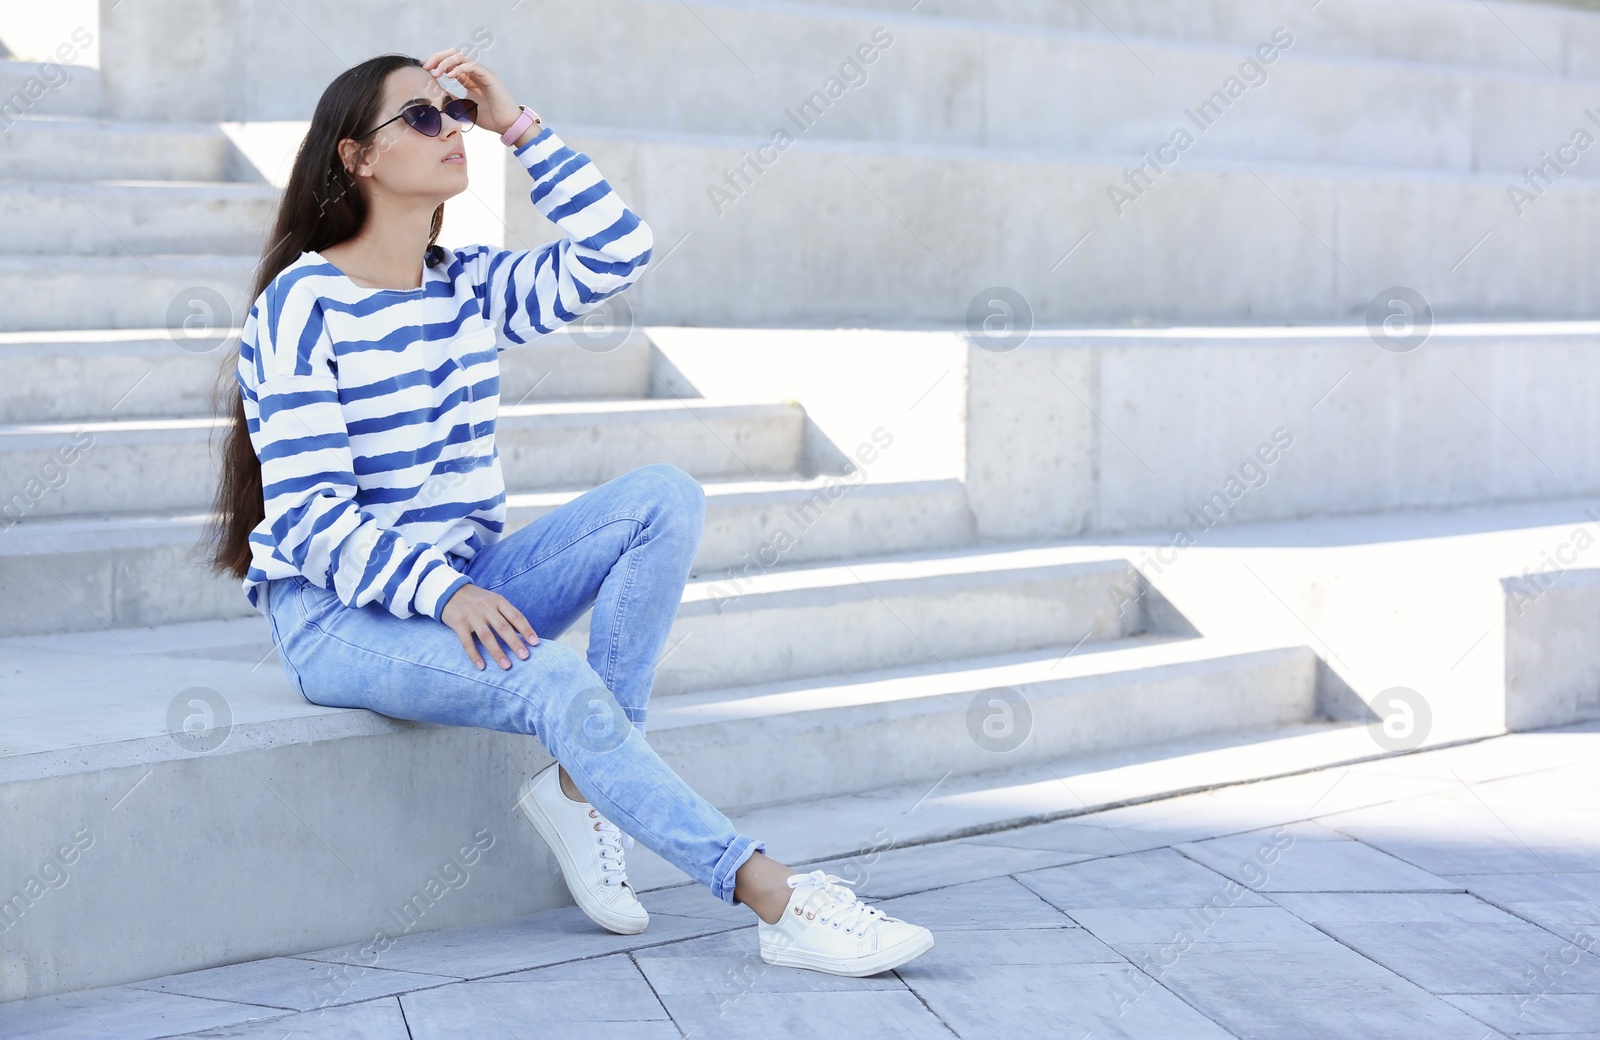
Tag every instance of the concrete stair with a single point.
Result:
(36, 88)
(355, 806)
(1542, 38)
(873, 729)
(78, 148)
(137, 464)
(68, 291)
(134, 216)
(1366, 160)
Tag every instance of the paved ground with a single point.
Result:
(1445, 894)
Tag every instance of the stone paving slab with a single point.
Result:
(588, 994)
(122, 1012)
(1281, 860)
(293, 983)
(379, 1019)
(1302, 990)
(1445, 894)
(1057, 1001)
(1571, 1015)
(1157, 878)
(535, 940)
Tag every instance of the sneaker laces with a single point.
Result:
(609, 838)
(834, 903)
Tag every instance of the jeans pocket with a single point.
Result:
(313, 602)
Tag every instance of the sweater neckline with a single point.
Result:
(367, 288)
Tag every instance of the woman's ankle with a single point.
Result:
(762, 884)
(568, 788)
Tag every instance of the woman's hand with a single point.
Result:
(496, 110)
(474, 612)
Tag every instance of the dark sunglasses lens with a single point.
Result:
(423, 118)
(463, 111)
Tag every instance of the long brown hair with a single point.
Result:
(321, 206)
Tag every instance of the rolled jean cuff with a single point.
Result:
(740, 849)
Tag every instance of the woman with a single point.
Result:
(362, 502)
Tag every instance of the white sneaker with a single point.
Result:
(826, 928)
(588, 848)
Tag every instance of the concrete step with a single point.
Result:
(1042, 91)
(89, 148)
(47, 88)
(965, 714)
(134, 218)
(154, 373)
(917, 609)
(169, 464)
(1541, 38)
(1264, 242)
(1308, 108)
(1453, 87)
(68, 575)
(358, 807)
(1082, 89)
(51, 291)
(1189, 788)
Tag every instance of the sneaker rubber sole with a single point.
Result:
(883, 960)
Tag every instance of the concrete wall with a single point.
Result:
(1108, 431)
(1552, 649)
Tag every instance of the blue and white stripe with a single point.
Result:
(373, 410)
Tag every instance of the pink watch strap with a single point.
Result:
(522, 123)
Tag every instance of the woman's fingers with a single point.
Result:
(522, 626)
(485, 633)
(469, 646)
(507, 632)
(458, 67)
(438, 56)
(489, 618)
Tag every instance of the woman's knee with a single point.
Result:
(677, 489)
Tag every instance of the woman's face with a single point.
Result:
(402, 161)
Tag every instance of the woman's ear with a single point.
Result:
(350, 154)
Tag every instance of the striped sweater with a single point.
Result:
(373, 410)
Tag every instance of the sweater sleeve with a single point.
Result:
(530, 292)
(308, 475)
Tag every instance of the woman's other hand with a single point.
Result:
(478, 613)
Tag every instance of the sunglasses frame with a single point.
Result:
(466, 124)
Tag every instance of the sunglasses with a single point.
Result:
(427, 119)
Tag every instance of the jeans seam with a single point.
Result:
(556, 552)
(728, 880)
(401, 660)
(613, 640)
(277, 643)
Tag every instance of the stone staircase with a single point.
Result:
(893, 646)
(886, 619)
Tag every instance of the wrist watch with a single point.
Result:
(523, 121)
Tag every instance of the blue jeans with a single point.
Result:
(625, 549)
